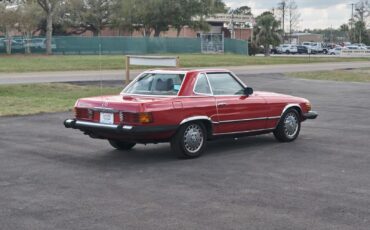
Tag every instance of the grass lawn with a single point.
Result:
(39, 98)
(355, 75)
(35, 63)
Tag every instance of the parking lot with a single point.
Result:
(55, 178)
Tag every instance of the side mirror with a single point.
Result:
(248, 91)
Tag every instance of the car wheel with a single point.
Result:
(289, 126)
(325, 52)
(190, 140)
(287, 52)
(121, 145)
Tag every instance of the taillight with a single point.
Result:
(145, 118)
(142, 118)
(83, 113)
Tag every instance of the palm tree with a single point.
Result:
(345, 29)
(267, 32)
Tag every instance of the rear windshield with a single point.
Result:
(156, 84)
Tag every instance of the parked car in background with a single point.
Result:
(2, 43)
(361, 46)
(314, 47)
(336, 51)
(276, 50)
(39, 43)
(288, 49)
(17, 44)
(302, 50)
(187, 108)
(352, 47)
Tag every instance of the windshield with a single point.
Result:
(156, 84)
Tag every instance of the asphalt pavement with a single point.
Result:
(119, 75)
(57, 178)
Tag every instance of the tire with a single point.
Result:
(121, 145)
(287, 52)
(289, 126)
(190, 140)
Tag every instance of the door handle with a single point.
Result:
(221, 104)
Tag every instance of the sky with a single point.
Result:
(315, 14)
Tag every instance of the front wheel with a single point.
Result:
(121, 145)
(190, 140)
(289, 126)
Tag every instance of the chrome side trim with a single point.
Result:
(251, 119)
(195, 118)
(241, 132)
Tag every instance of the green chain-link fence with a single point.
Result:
(72, 45)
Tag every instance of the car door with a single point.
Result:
(236, 112)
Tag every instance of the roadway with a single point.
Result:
(71, 76)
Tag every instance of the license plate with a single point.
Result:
(107, 118)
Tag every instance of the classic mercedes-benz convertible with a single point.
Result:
(187, 108)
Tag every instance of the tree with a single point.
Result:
(282, 12)
(360, 33)
(8, 20)
(88, 15)
(293, 17)
(49, 7)
(362, 10)
(362, 13)
(155, 16)
(124, 15)
(243, 10)
(267, 31)
(183, 13)
(28, 18)
(345, 29)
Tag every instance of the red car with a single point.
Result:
(187, 108)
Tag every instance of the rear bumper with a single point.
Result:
(117, 129)
(310, 115)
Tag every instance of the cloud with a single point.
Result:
(314, 13)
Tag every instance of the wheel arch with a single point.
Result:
(296, 107)
(206, 121)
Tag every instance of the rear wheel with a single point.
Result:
(289, 126)
(190, 140)
(121, 145)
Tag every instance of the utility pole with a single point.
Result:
(232, 25)
(331, 34)
(351, 22)
(283, 5)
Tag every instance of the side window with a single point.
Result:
(202, 86)
(225, 84)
